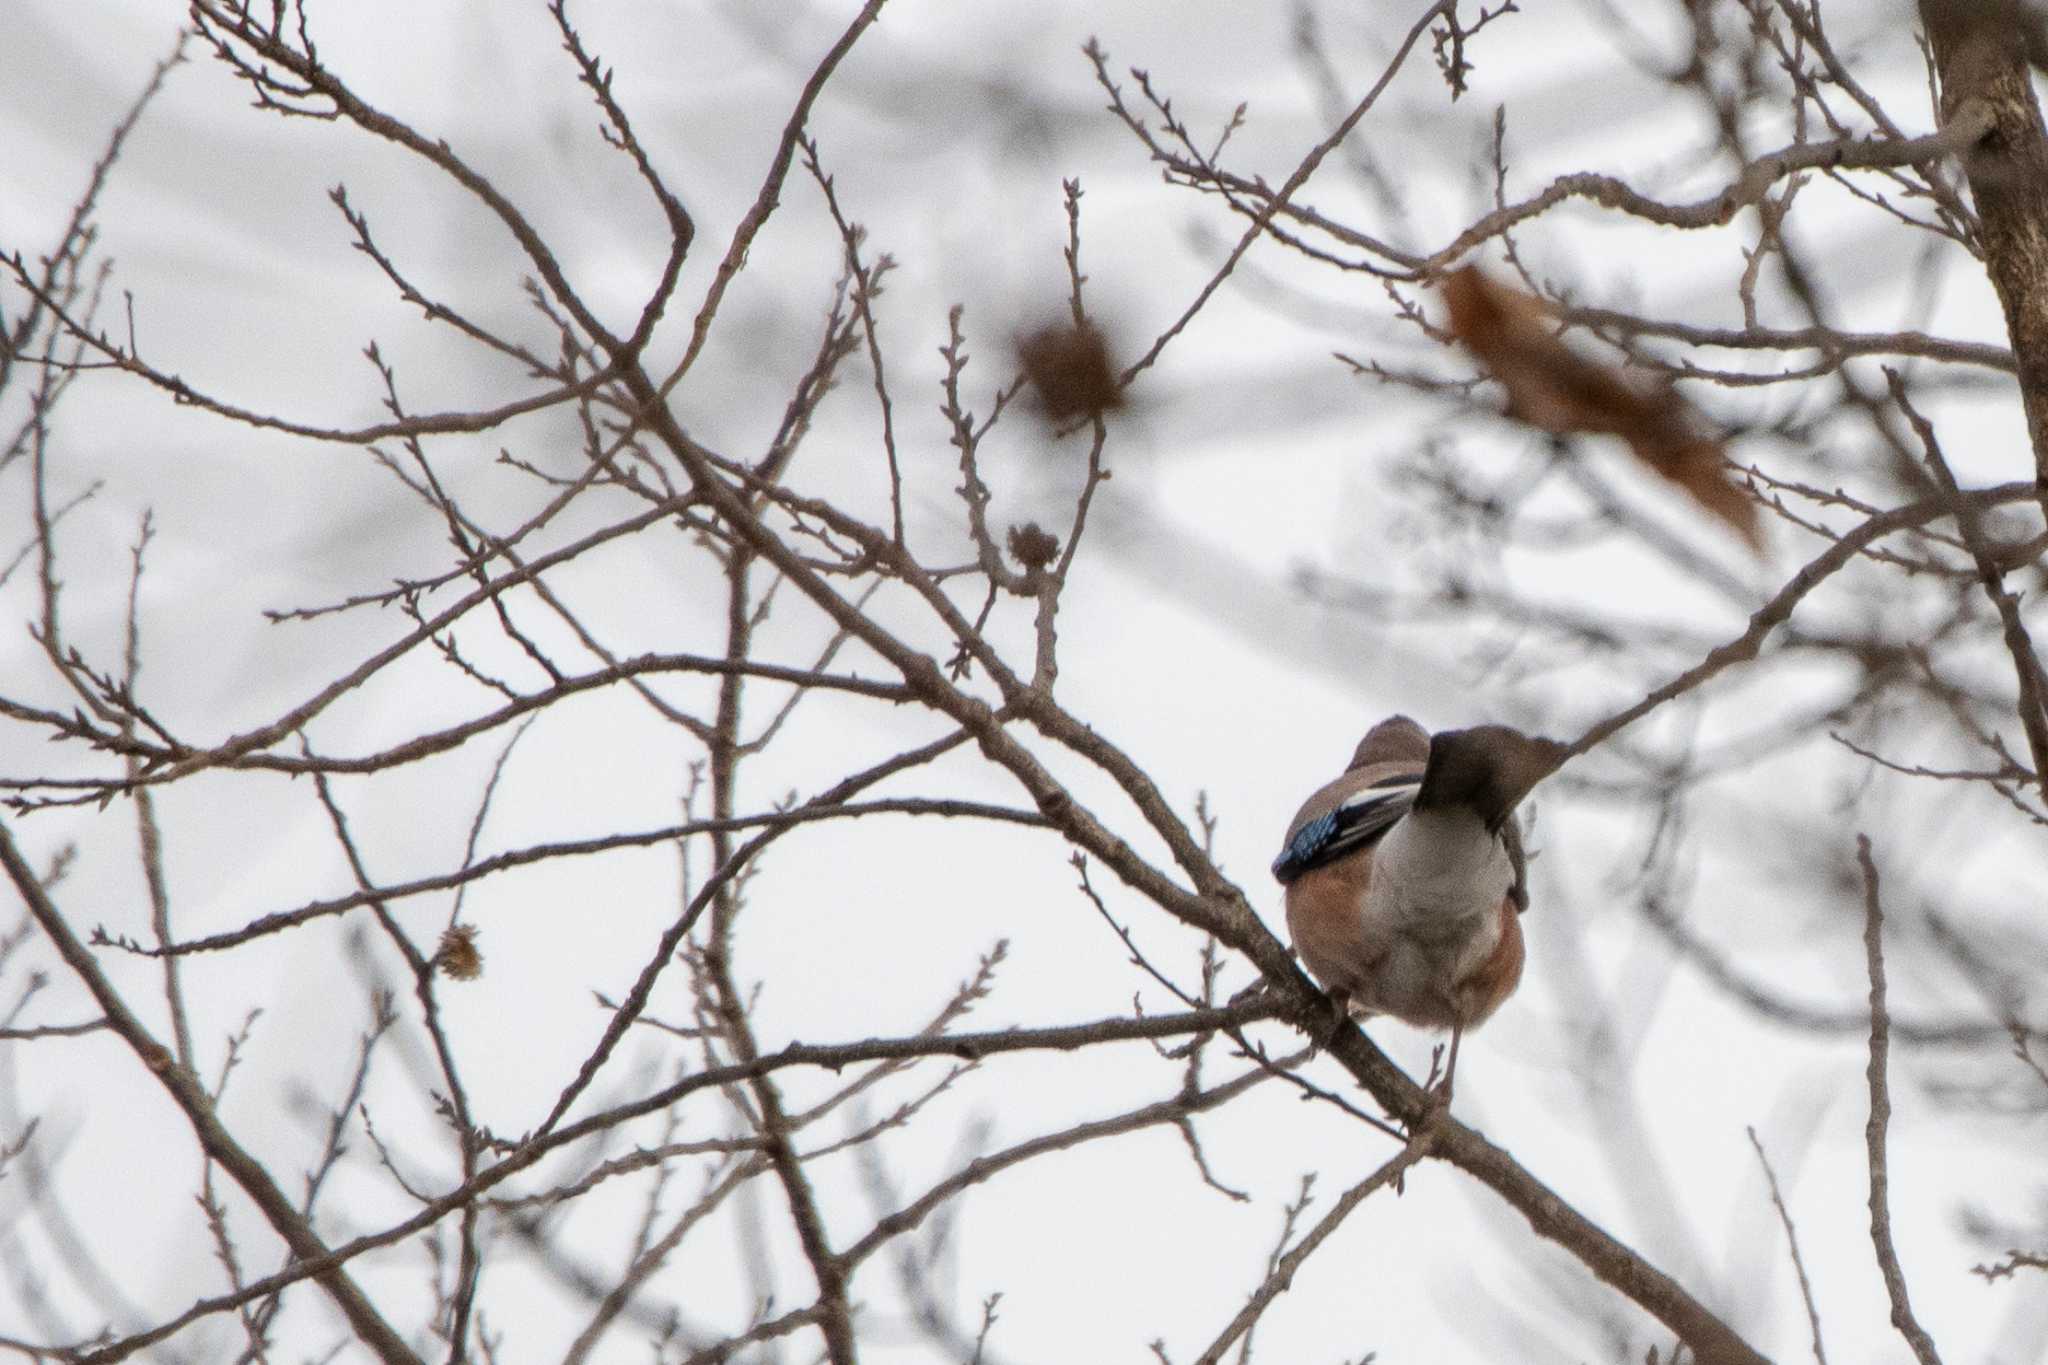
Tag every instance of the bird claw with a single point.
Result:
(1256, 991)
(1439, 1088)
(1340, 1001)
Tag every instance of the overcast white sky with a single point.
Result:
(1250, 454)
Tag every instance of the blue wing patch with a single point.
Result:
(1355, 824)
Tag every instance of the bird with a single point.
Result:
(1405, 878)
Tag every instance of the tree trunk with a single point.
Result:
(1981, 55)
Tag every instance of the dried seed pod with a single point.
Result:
(1032, 546)
(457, 956)
(1069, 366)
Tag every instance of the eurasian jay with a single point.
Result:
(1405, 877)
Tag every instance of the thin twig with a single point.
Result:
(1880, 1117)
(1282, 1275)
(185, 1090)
(1820, 1355)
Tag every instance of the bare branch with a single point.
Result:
(1880, 1118)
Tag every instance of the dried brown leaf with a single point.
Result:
(1554, 388)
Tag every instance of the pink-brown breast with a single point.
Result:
(1484, 990)
(1325, 919)
(1345, 951)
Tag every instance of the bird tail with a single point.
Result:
(1488, 769)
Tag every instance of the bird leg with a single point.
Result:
(1441, 1099)
(1340, 1000)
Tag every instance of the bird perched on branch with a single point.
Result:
(1405, 877)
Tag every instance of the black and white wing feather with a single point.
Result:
(1356, 822)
